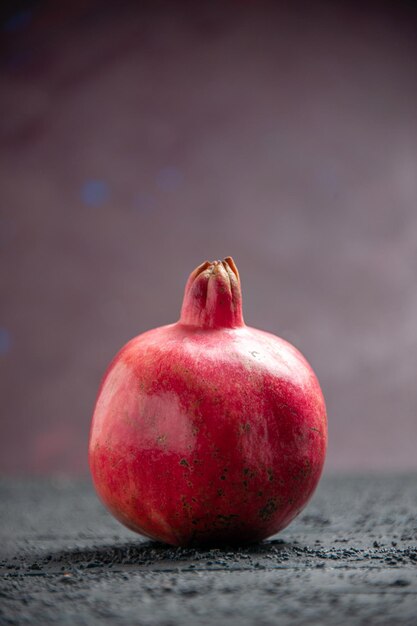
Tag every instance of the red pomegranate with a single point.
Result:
(207, 431)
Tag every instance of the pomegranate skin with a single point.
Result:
(208, 431)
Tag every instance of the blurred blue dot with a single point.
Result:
(169, 178)
(329, 178)
(95, 192)
(5, 341)
(144, 202)
(18, 21)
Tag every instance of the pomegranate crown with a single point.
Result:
(213, 298)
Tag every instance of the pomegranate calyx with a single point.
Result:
(213, 297)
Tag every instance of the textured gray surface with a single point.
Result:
(351, 558)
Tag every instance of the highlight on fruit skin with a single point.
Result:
(208, 431)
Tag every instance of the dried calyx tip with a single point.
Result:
(212, 296)
(232, 265)
(207, 265)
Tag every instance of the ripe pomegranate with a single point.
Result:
(207, 431)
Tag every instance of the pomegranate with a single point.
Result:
(207, 431)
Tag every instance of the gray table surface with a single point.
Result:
(350, 558)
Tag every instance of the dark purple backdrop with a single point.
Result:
(137, 140)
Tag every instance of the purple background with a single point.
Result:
(139, 139)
